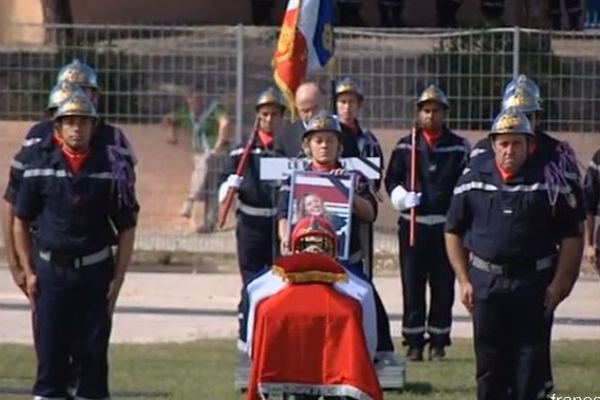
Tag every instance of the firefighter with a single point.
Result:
(441, 156)
(74, 76)
(109, 136)
(524, 257)
(256, 210)
(558, 160)
(322, 145)
(81, 208)
(358, 142)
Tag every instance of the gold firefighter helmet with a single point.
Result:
(270, 96)
(523, 100)
(347, 85)
(78, 104)
(433, 93)
(511, 120)
(314, 230)
(78, 73)
(323, 122)
(60, 92)
(522, 81)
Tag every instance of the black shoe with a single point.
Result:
(436, 353)
(414, 353)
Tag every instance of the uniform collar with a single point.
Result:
(354, 129)
(488, 167)
(444, 138)
(311, 167)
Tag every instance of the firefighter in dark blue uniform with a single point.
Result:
(441, 156)
(257, 200)
(358, 142)
(81, 208)
(322, 143)
(560, 164)
(74, 75)
(501, 215)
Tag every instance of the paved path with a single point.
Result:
(168, 307)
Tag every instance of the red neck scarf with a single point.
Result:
(74, 160)
(504, 174)
(315, 166)
(266, 139)
(431, 137)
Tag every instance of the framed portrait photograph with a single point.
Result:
(325, 195)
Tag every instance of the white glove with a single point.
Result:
(403, 200)
(412, 199)
(234, 181)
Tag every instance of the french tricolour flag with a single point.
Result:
(306, 43)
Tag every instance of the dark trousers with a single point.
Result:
(509, 333)
(72, 315)
(547, 377)
(426, 263)
(256, 243)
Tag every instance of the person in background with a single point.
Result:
(308, 101)
(209, 127)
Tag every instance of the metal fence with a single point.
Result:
(144, 70)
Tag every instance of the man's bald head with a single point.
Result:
(309, 100)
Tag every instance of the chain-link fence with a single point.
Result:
(144, 70)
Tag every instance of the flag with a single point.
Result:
(306, 44)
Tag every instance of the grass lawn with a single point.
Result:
(204, 370)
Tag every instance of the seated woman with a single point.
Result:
(311, 324)
(322, 144)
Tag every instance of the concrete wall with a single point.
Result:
(163, 172)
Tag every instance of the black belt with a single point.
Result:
(512, 269)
